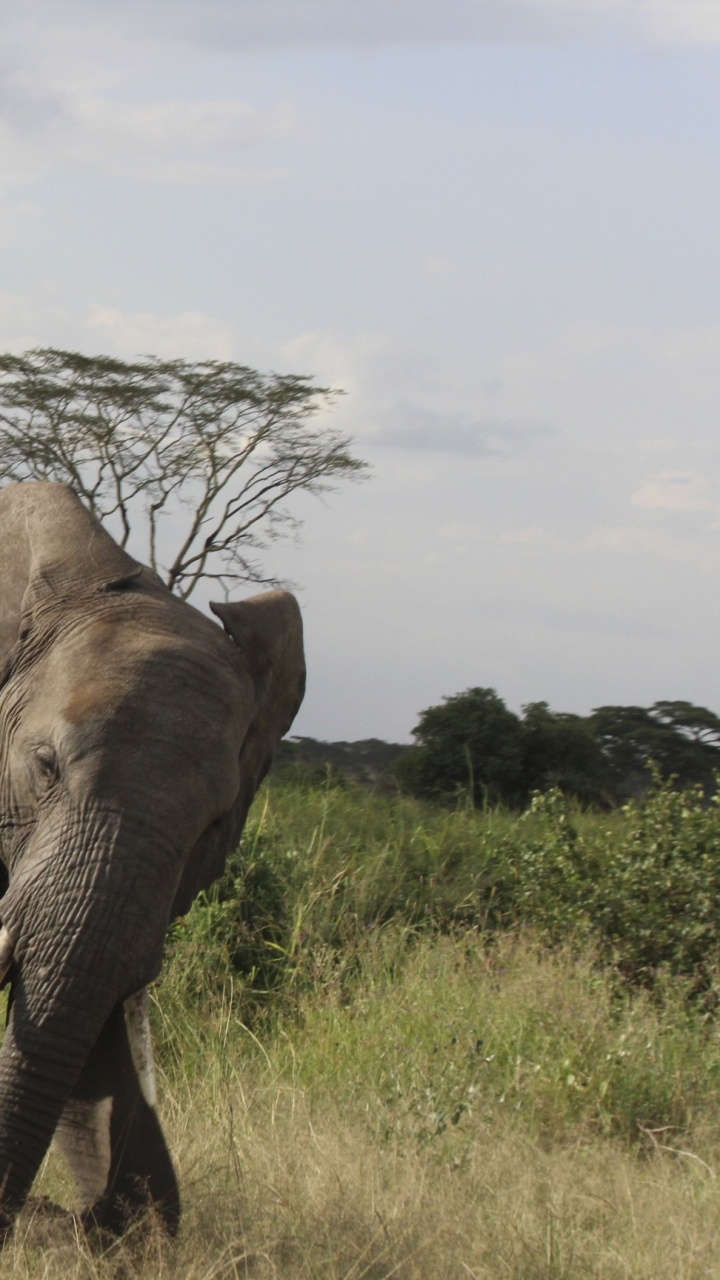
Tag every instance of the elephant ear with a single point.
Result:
(53, 553)
(267, 630)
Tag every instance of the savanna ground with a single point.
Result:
(399, 1041)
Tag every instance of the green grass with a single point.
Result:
(456, 1110)
(400, 1041)
(321, 865)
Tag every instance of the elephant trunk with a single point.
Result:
(33, 1101)
(79, 950)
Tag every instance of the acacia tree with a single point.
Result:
(141, 441)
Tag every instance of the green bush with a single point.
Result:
(646, 888)
(321, 866)
(658, 903)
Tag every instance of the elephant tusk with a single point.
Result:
(137, 1023)
(6, 952)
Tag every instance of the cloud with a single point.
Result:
(323, 23)
(189, 334)
(42, 317)
(339, 359)
(583, 622)
(635, 540)
(214, 141)
(37, 316)
(187, 142)
(625, 540)
(462, 531)
(409, 426)
(248, 24)
(64, 64)
(535, 539)
(101, 44)
(673, 491)
(678, 22)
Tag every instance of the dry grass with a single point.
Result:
(274, 1192)
(288, 1173)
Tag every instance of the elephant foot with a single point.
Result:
(45, 1208)
(139, 1232)
(45, 1222)
(136, 1212)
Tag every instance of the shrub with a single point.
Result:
(321, 866)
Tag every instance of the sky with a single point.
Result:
(495, 226)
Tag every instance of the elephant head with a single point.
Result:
(134, 732)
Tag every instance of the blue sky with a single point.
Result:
(495, 226)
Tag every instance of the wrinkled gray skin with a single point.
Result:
(133, 735)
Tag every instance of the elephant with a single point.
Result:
(134, 732)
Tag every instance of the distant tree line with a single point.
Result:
(370, 761)
(473, 743)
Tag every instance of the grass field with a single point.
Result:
(405, 1042)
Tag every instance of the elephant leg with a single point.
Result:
(113, 1142)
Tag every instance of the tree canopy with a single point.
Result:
(473, 744)
(195, 459)
(680, 739)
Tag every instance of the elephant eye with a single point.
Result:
(46, 766)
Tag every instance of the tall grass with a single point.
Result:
(456, 1110)
(404, 1042)
(321, 865)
